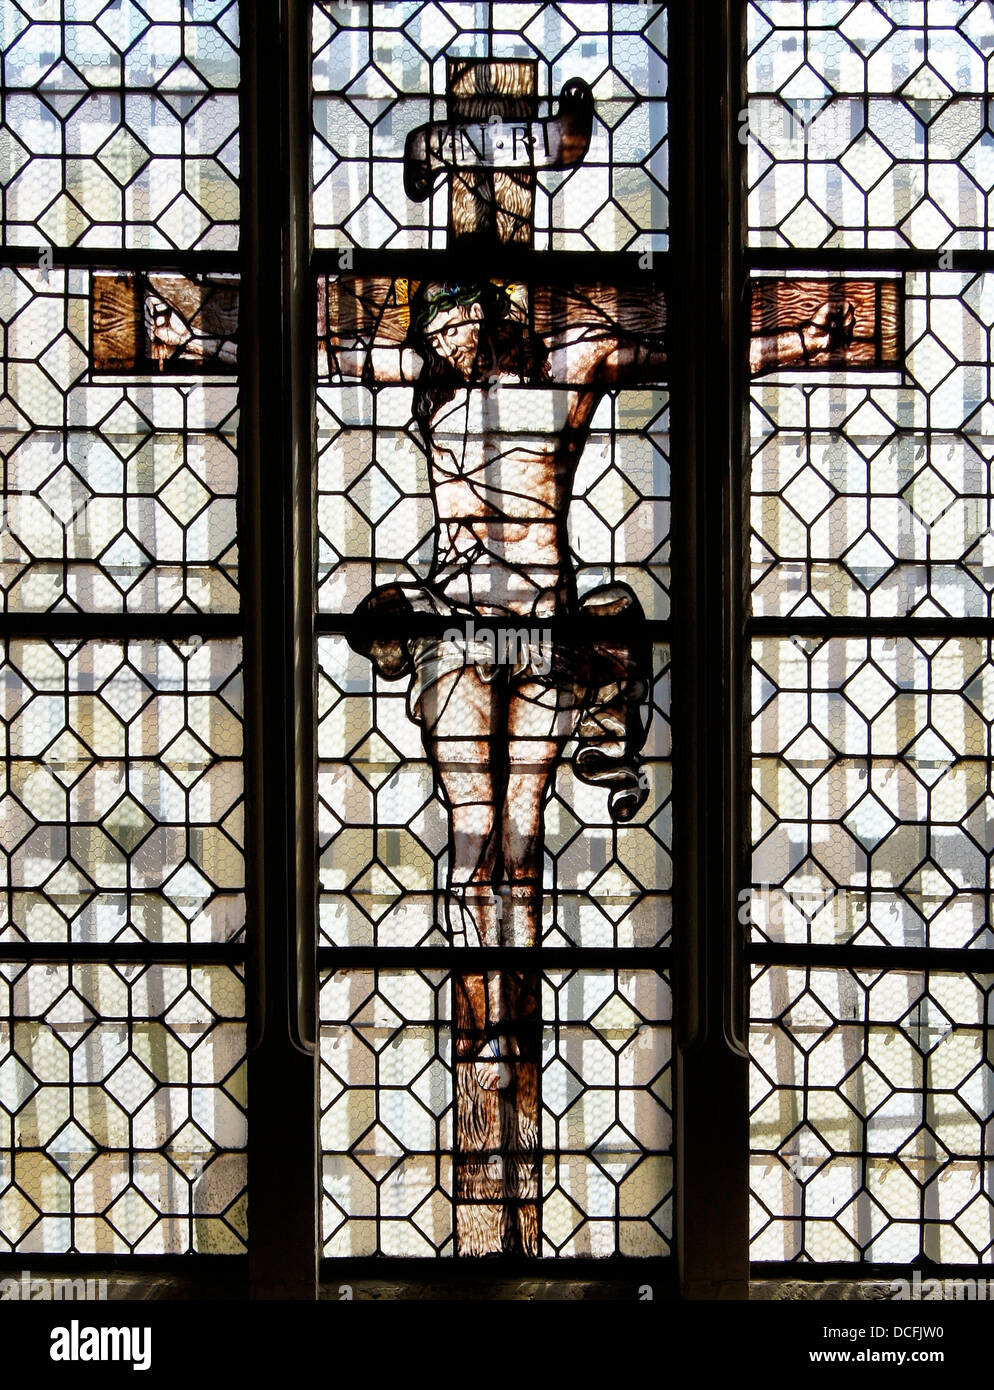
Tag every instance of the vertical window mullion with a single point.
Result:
(712, 1127)
(276, 448)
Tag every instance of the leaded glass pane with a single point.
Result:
(122, 1046)
(871, 805)
(120, 124)
(597, 1148)
(122, 1109)
(376, 520)
(872, 1094)
(493, 545)
(867, 126)
(122, 814)
(383, 827)
(869, 612)
(380, 72)
(871, 496)
(120, 492)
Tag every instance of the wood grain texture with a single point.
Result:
(497, 205)
(787, 305)
(367, 309)
(638, 313)
(497, 1229)
(115, 322)
(497, 1131)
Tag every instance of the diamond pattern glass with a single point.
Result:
(122, 1033)
(867, 131)
(871, 805)
(872, 1098)
(122, 1109)
(387, 1102)
(120, 124)
(118, 495)
(122, 815)
(380, 73)
(866, 124)
(872, 496)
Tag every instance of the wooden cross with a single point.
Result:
(490, 148)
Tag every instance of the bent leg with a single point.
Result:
(461, 717)
(540, 720)
(459, 713)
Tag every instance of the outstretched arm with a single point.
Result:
(829, 329)
(614, 337)
(369, 363)
(628, 363)
(362, 328)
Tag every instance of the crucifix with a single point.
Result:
(506, 662)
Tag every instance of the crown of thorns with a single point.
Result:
(444, 297)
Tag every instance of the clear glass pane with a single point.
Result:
(120, 128)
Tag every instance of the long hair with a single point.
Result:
(506, 344)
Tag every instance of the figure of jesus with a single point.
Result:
(504, 411)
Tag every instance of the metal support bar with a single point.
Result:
(123, 953)
(463, 264)
(801, 626)
(275, 385)
(565, 630)
(128, 627)
(900, 260)
(470, 959)
(123, 258)
(850, 957)
(711, 1070)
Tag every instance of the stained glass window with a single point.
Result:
(122, 1012)
(867, 155)
(500, 428)
(379, 74)
(494, 671)
(121, 125)
(866, 124)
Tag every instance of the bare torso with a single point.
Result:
(503, 452)
(502, 459)
(502, 456)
